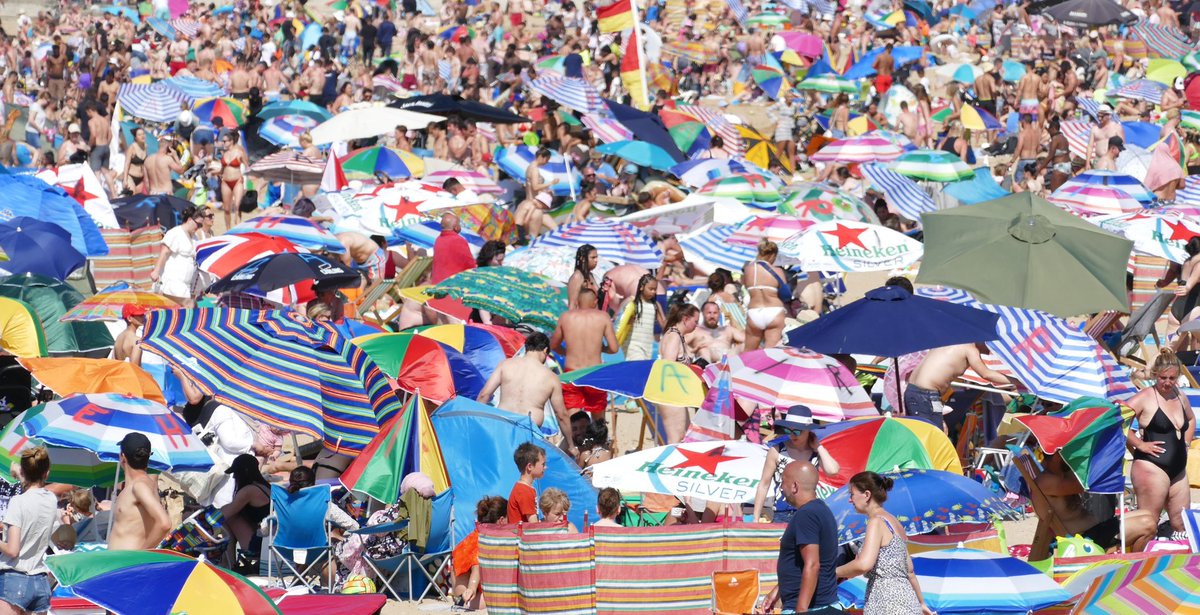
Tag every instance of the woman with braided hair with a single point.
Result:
(586, 259)
(635, 328)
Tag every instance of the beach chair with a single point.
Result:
(1049, 525)
(298, 535)
(734, 592)
(1129, 346)
(199, 534)
(428, 564)
(406, 278)
(966, 439)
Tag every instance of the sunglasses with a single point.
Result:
(791, 431)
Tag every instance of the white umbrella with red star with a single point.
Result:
(846, 245)
(723, 471)
(1153, 233)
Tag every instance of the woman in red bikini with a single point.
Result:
(233, 186)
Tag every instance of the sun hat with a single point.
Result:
(798, 417)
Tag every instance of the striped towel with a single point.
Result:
(904, 196)
(1078, 133)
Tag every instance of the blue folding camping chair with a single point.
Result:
(437, 552)
(299, 535)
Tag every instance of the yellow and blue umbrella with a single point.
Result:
(669, 383)
(21, 332)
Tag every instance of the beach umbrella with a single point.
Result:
(649, 127)
(194, 87)
(972, 118)
(517, 296)
(1141, 89)
(760, 150)
(21, 332)
(657, 381)
(1026, 232)
(231, 111)
(640, 153)
(370, 161)
(689, 214)
(932, 165)
(98, 421)
(82, 184)
(570, 92)
(50, 300)
(278, 367)
(689, 133)
(554, 262)
(1095, 199)
(224, 254)
(1163, 40)
(1165, 71)
(923, 501)
(1086, 13)
(606, 129)
(1012, 71)
(821, 202)
(552, 64)
(424, 366)
(186, 27)
(692, 51)
(1112, 179)
(1091, 440)
(37, 247)
(863, 148)
(883, 444)
(784, 377)
(71, 375)
(563, 177)
(710, 244)
(406, 444)
(484, 345)
(1187, 119)
(288, 167)
(73, 466)
(1159, 584)
(276, 271)
(1153, 233)
(750, 189)
(618, 242)
(851, 246)
(455, 105)
(699, 172)
(285, 130)
(163, 27)
(423, 234)
(973, 581)
(108, 305)
(770, 79)
(26, 195)
(302, 232)
(774, 228)
(767, 20)
(808, 45)
(153, 102)
(369, 121)
(1191, 61)
(830, 84)
(718, 471)
(966, 73)
(294, 107)
(473, 181)
(158, 582)
(137, 211)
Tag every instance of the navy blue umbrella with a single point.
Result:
(453, 104)
(141, 210)
(647, 126)
(890, 322)
(279, 270)
(37, 247)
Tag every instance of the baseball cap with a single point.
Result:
(134, 443)
(242, 463)
(1117, 142)
(131, 310)
(73, 128)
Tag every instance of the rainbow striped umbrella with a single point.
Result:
(570, 92)
(369, 161)
(1091, 440)
(863, 148)
(882, 444)
(821, 202)
(301, 232)
(108, 305)
(73, 466)
(1095, 199)
(748, 188)
(404, 445)
(829, 84)
(473, 181)
(285, 130)
(231, 111)
(99, 421)
(424, 366)
(224, 254)
(775, 228)
(158, 582)
(770, 79)
(278, 367)
(783, 377)
(932, 165)
(1159, 584)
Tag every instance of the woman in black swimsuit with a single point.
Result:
(251, 500)
(1168, 425)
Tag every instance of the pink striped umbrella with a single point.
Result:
(1095, 200)
(863, 148)
(606, 129)
(775, 228)
(471, 180)
(784, 377)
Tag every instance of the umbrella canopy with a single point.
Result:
(108, 305)
(619, 242)
(1112, 179)
(224, 254)
(1091, 440)
(821, 202)
(406, 444)
(972, 118)
(98, 421)
(710, 244)
(1141, 89)
(761, 150)
(369, 121)
(751, 189)
(718, 471)
(370, 161)
(1095, 200)
(648, 127)
(26, 195)
(285, 130)
(692, 51)
(974, 581)
(448, 105)
(656, 381)
(554, 262)
(1164, 235)
(194, 87)
(21, 332)
(152, 102)
(140, 210)
(1084, 13)
(1025, 232)
(863, 148)
(852, 246)
(516, 295)
(69, 375)
(929, 324)
(231, 111)
(640, 153)
(82, 184)
(158, 582)
(289, 167)
(1165, 71)
(424, 366)
(564, 179)
(699, 172)
(1159, 584)
(73, 466)
(319, 383)
(570, 92)
(294, 107)
(50, 300)
(770, 79)
(932, 165)
(784, 377)
(882, 444)
(775, 228)
(302, 232)
(280, 270)
(923, 501)
(830, 84)
(42, 248)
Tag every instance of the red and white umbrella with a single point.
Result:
(289, 167)
(224, 254)
(863, 148)
(1153, 232)
(784, 377)
(846, 245)
(473, 181)
(81, 184)
(775, 228)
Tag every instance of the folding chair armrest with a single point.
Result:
(383, 528)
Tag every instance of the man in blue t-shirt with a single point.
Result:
(808, 550)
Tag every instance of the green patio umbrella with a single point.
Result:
(1023, 251)
(50, 301)
(518, 296)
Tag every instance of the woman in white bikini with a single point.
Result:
(767, 287)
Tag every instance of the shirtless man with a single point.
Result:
(1107, 129)
(362, 253)
(907, 121)
(107, 90)
(1171, 104)
(884, 65)
(711, 340)
(1064, 494)
(583, 329)
(126, 348)
(923, 397)
(160, 164)
(1029, 145)
(533, 213)
(139, 519)
(1028, 93)
(99, 136)
(1167, 16)
(239, 82)
(985, 89)
(1108, 162)
(526, 384)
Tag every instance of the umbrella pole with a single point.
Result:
(112, 514)
(1121, 503)
(899, 392)
(648, 419)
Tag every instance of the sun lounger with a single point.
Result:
(406, 278)
(1049, 526)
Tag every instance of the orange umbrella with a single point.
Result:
(69, 375)
(222, 66)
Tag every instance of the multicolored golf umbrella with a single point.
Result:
(761, 150)
(863, 148)
(406, 444)
(1157, 585)
(770, 79)
(718, 471)
(1154, 232)
(516, 295)
(882, 444)
(821, 202)
(371, 161)
(1095, 200)
(691, 136)
(485, 345)
(424, 366)
(278, 367)
(972, 118)
(750, 189)
(285, 130)
(99, 421)
(845, 245)
(1091, 440)
(231, 111)
(158, 582)
(619, 242)
(73, 466)
(782, 377)
(302, 232)
(923, 501)
(70, 375)
(108, 305)
(932, 165)
(224, 254)
(659, 382)
(775, 228)
(1112, 179)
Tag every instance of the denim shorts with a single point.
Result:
(30, 592)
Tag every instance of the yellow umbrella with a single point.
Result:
(1165, 71)
(21, 332)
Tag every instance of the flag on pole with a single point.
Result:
(716, 417)
(633, 76)
(616, 17)
(404, 445)
(334, 178)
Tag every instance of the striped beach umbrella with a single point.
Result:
(1126, 183)
(1157, 584)
(224, 254)
(775, 228)
(770, 79)
(153, 102)
(294, 107)
(570, 92)
(607, 130)
(289, 167)
(821, 202)
(748, 188)
(902, 195)
(371, 161)
(863, 148)
(231, 111)
(563, 177)
(1095, 200)
(700, 171)
(163, 27)
(554, 262)
(194, 87)
(473, 181)
(285, 130)
(619, 242)
(1191, 61)
(783, 377)
(932, 165)
(692, 51)
(767, 20)
(1141, 89)
(845, 245)
(1132, 47)
(280, 368)
(830, 84)
(301, 232)
(1188, 119)
(1165, 41)
(73, 466)
(711, 245)
(108, 305)
(186, 26)
(518, 296)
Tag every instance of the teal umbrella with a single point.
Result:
(640, 153)
(518, 296)
(1012, 71)
(294, 107)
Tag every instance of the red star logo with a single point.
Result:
(707, 461)
(1179, 231)
(846, 236)
(78, 192)
(402, 208)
